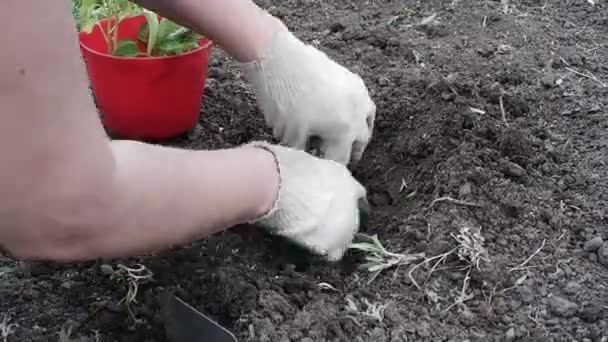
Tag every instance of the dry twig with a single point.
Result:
(502, 109)
(589, 76)
(440, 259)
(523, 264)
(463, 293)
(453, 201)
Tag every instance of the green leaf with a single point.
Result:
(368, 265)
(126, 48)
(170, 47)
(377, 268)
(167, 29)
(375, 258)
(153, 30)
(86, 15)
(173, 39)
(364, 247)
(142, 34)
(6, 270)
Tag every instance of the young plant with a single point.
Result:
(165, 38)
(114, 11)
(470, 249)
(379, 258)
(160, 36)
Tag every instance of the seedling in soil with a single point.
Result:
(161, 37)
(379, 258)
(6, 328)
(470, 249)
(374, 311)
(132, 278)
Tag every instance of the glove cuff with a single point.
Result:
(275, 206)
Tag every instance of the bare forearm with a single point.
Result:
(168, 196)
(154, 198)
(240, 27)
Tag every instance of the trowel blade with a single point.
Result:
(183, 323)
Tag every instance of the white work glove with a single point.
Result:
(304, 94)
(319, 202)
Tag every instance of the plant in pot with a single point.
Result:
(146, 72)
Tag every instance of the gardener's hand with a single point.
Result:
(304, 94)
(318, 202)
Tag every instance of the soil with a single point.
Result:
(478, 104)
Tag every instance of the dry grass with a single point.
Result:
(470, 249)
(131, 277)
(7, 328)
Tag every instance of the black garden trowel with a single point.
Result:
(183, 323)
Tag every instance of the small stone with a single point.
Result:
(591, 313)
(562, 307)
(526, 294)
(424, 329)
(106, 269)
(549, 80)
(593, 257)
(392, 314)
(593, 244)
(572, 288)
(510, 336)
(602, 254)
(514, 170)
(214, 62)
(379, 335)
(398, 335)
(468, 318)
(521, 332)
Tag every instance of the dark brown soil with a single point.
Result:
(537, 167)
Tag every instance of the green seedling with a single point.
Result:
(379, 258)
(470, 249)
(114, 11)
(160, 36)
(165, 38)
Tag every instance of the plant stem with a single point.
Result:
(115, 34)
(103, 32)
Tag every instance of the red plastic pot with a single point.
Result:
(148, 98)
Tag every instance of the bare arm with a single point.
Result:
(240, 27)
(67, 191)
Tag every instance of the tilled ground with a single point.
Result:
(502, 109)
